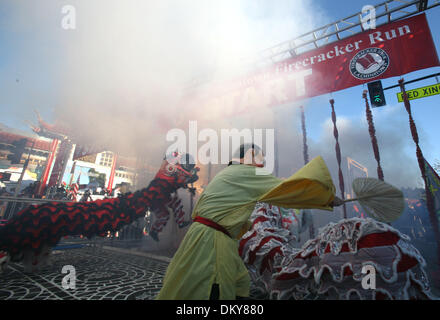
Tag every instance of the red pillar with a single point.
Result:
(112, 174)
(45, 176)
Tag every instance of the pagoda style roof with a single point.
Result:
(9, 138)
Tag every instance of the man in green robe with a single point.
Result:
(207, 264)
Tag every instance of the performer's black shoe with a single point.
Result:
(154, 235)
(184, 224)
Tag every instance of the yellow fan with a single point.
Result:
(379, 199)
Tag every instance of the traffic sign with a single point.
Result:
(420, 92)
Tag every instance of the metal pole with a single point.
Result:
(17, 188)
(29, 200)
(306, 160)
(209, 171)
(415, 80)
(275, 120)
(25, 165)
(191, 199)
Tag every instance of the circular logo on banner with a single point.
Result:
(369, 63)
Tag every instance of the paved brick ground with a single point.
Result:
(101, 274)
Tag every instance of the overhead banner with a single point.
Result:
(390, 50)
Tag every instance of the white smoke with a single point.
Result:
(117, 79)
(396, 147)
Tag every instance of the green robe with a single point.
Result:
(208, 256)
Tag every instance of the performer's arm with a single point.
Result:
(309, 188)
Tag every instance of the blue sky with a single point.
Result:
(41, 67)
(425, 111)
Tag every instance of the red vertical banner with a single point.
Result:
(112, 173)
(43, 180)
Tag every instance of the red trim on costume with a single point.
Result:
(258, 220)
(253, 253)
(372, 240)
(212, 224)
(243, 243)
(369, 241)
(269, 259)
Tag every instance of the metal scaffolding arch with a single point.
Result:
(386, 12)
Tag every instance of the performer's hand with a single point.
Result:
(337, 202)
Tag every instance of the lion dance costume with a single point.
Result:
(31, 233)
(330, 265)
(162, 215)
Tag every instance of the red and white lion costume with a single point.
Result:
(330, 265)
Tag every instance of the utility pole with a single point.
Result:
(209, 172)
(17, 188)
(275, 123)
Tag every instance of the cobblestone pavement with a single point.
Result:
(101, 275)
